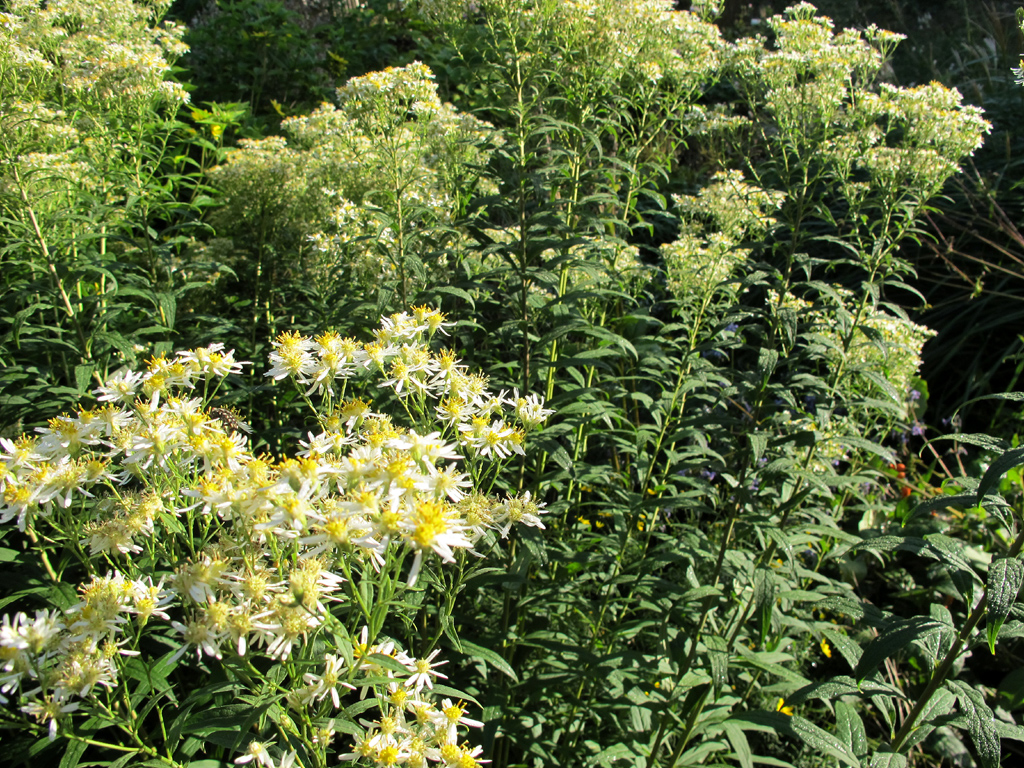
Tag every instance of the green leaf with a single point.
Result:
(767, 360)
(887, 760)
(457, 292)
(614, 753)
(769, 662)
(388, 662)
(234, 719)
(847, 647)
(168, 309)
(718, 658)
(997, 469)
(83, 376)
(940, 503)
(938, 706)
(798, 727)
(841, 686)
(758, 444)
(892, 641)
(822, 741)
(73, 753)
(489, 656)
(764, 600)
(1004, 579)
(740, 745)
(850, 729)
(980, 722)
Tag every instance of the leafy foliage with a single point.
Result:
(694, 250)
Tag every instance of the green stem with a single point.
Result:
(942, 671)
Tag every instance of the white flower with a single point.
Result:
(119, 388)
(257, 751)
(424, 671)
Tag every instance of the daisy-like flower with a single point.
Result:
(362, 650)
(150, 600)
(520, 510)
(201, 635)
(449, 482)
(361, 749)
(431, 319)
(452, 715)
(496, 438)
(432, 526)
(327, 684)
(424, 671)
(212, 361)
(119, 388)
(292, 356)
(285, 626)
(21, 455)
(23, 634)
(426, 449)
(531, 410)
(49, 710)
(256, 751)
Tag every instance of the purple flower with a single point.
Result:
(708, 474)
(914, 395)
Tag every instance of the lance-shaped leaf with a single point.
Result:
(997, 469)
(718, 658)
(850, 729)
(887, 760)
(798, 727)
(842, 686)
(1004, 580)
(980, 722)
(765, 590)
(938, 706)
(893, 640)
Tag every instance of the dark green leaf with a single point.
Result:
(892, 641)
(490, 657)
(980, 722)
(1004, 580)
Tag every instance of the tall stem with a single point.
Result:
(942, 671)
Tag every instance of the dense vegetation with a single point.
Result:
(541, 382)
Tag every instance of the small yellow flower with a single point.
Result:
(781, 707)
(826, 648)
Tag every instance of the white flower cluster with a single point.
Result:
(696, 266)
(735, 207)
(115, 50)
(401, 355)
(644, 44)
(283, 537)
(814, 85)
(883, 346)
(389, 94)
(362, 180)
(716, 222)
(55, 658)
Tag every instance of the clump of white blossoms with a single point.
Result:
(716, 223)
(880, 355)
(186, 533)
(355, 183)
